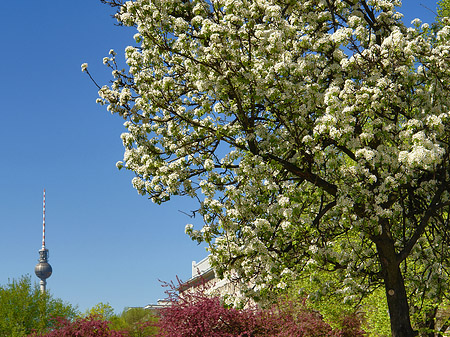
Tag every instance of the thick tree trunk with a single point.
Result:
(395, 290)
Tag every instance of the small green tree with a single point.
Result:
(103, 310)
(137, 322)
(24, 309)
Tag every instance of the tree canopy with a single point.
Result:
(314, 134)
(24, 309)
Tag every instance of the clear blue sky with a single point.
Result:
(107, 243)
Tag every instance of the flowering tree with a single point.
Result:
(314, 134)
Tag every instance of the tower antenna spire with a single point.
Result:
(43, 223)
(43, 270)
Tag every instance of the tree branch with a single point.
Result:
(422, 225)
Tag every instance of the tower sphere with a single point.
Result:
(43, 270)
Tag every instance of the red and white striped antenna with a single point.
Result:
(43, 223)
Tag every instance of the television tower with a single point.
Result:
(43, 270)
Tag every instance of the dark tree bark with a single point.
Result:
(397, 299)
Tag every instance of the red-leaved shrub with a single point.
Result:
(196, 314)
(91, 326)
